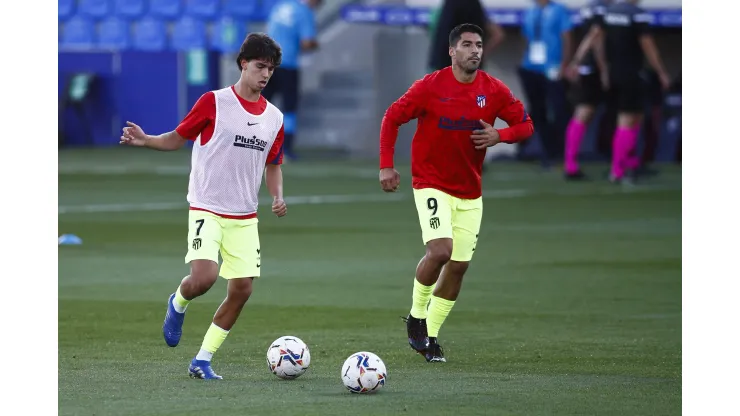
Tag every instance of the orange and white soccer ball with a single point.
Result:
(364, 372)
(288, 357)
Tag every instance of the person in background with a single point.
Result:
(628, 43)
(292, 24)
(448, 16)
(589, 85)
(651, 123)
(547, 28)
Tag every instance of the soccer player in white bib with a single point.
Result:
(238, 137)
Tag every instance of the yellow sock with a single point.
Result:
(215, 336)
(438, 310)
(179, 301)
(420, 299)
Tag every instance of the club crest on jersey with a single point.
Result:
(481, 100)
(250, 143)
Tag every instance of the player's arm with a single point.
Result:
(513, 113)
(595, 35)
(600, 54)
(274, 174)
(307, 32)
(520, 124)
(566, 35)
(647, 43)
(133, 135)
(496, 37)
(202, 113)
(597, 46)
(495, 33)
(405, 109)
(166, 142)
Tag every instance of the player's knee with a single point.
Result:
(584, 113)
(439, 251)
(240, 289)
(203, 274)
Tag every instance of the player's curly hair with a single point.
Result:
(457, 32)
(262, 47)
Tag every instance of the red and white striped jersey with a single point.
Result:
(227, 167)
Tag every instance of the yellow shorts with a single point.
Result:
(237, 240)
(444, 216)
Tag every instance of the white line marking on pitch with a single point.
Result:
(354, 198)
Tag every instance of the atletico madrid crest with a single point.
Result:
(481, 99)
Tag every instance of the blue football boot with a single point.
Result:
(202, 369)
(172, 327)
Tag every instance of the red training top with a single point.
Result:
(443, 156)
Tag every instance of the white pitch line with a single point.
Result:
(354, 198)
(290, 171)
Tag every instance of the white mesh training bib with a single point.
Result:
(226, 172)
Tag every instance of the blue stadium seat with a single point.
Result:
(150, 34)
(188, 33)
(66, 9)
(113, 33)
(95, 9)
(129, 9)
(227, 34)
(165, 9)
(206, 9)
(78, 33)
(242, 9)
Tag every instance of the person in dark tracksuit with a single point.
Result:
(589, 87)
(451, 14)
(625, 29)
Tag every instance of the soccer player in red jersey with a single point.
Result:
(456, 108)
(238, 137)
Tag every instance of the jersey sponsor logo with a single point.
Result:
(447, 123)
(250, 143)
(481, 101)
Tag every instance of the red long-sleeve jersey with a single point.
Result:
(443, 155)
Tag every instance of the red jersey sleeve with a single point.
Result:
(513, 113)
(275, 157)
(201, 115)
(406, 108)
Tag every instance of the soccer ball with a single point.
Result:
(288, 357)
(363, 372)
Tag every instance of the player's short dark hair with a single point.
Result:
(259, 46)
(457, 32)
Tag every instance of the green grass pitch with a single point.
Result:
(572, 304)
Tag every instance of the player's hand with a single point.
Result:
(133, 135)
(278, 207)
(485, 138)
(571, 73)
(390, 179)
(665, 81)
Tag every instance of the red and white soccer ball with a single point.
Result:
(364, 372)
(288, 357)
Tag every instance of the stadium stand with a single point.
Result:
(158, 25)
